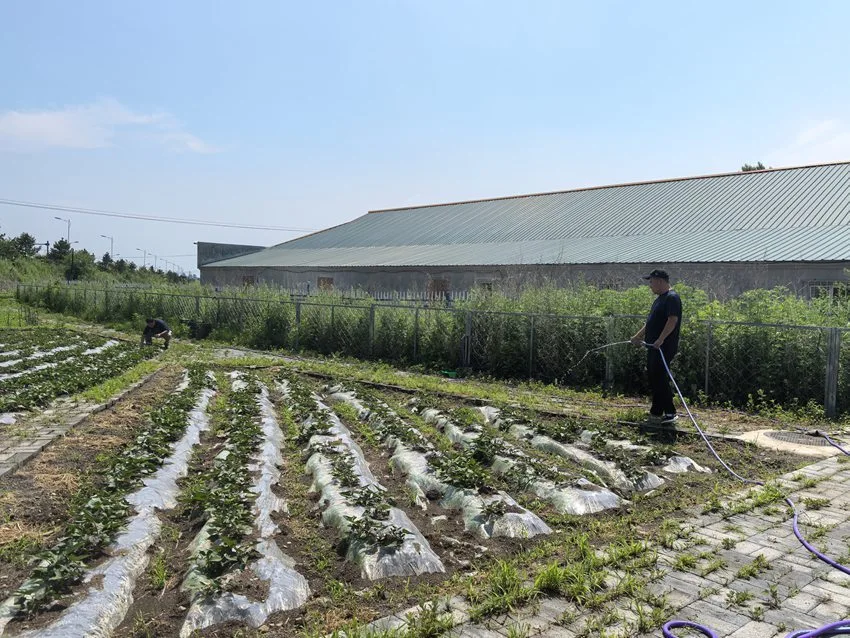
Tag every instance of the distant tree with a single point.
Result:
(7, 250)
(746, 168)
(25, 245)
(60, 250)
(120, 266)
(79, 264)
(106, 261)
(16, 247)
(131, 266)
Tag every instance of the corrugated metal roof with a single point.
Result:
(794, 214)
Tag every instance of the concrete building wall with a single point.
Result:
(721, 279)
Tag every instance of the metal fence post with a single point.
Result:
(371, 328)
(833, 353)
(609, 352)
(416, 334)
(467, 341)
(197, 307)
(708, 339)
(297, 325)
(218, 312)
(531, 347)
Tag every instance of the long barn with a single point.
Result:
(726, 233)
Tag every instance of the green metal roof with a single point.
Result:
(792, 214)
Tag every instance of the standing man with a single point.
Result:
(156, 328)
(661, 334)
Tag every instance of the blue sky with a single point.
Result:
(309, 114)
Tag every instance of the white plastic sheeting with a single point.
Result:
(682, 464)
(607, 471)
(15, 375)
(583, 497)
(105, 605)
(53, 364)
(287, 588)
(109, 344)
(423, 481)
(413, 557)
(38, 354)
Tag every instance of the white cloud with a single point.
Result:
(816, 142)
(101, 124)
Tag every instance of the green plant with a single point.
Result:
(158, 571)
(505, 591)
(754, 568)
(816, 503)
(739, 598)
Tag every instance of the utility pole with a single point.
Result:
(144, 256)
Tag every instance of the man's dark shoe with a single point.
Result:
(669, 418)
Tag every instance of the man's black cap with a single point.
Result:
(660, 274)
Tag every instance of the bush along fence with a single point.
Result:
(722, 362)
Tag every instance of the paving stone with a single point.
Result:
(803, 601)
(755, 629)
(474, 631)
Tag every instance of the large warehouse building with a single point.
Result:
(726, 233)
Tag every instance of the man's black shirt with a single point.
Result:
(666, 305)
(158, 326)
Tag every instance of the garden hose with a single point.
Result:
(590, 352)
(840, 628)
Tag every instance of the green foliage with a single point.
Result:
(773, 370)
(461, 470)
(223, 493)
(73, 372)
(505, 591)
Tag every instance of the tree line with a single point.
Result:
(73, 265)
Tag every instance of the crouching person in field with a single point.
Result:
(156, 328)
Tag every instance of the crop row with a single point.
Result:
(378, 537)
(101, 508)
(454, 479)
(236, 498)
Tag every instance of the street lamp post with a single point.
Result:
(144, 256)
(111, 244)
(68, 221)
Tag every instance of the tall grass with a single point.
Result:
(541, 334)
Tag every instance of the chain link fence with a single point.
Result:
(734, 363)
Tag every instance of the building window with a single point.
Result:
(831, 290)
(326, 283)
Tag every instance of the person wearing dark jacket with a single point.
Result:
(660, 333)
(156, 328)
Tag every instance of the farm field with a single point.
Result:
(298, 499)
(37, 365)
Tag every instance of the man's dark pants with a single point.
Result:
(659, 382)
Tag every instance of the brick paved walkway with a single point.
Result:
(741, 597)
